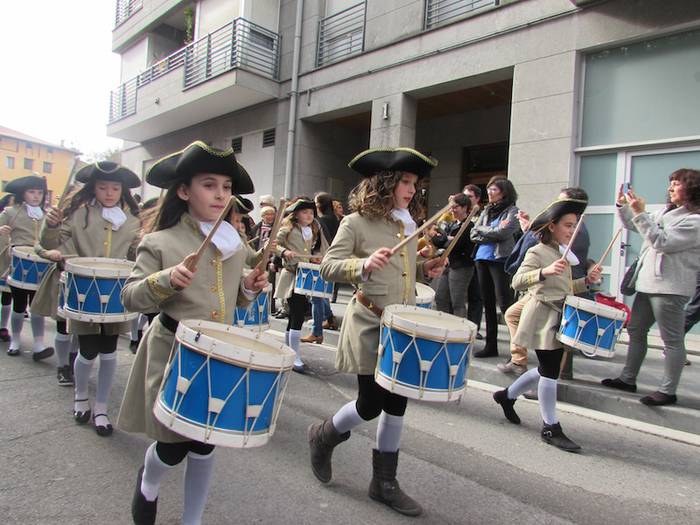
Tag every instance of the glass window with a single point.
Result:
(600, 232)
(10, 162)
(597, 177)
(643, 91)
(649, 173)
(47, 167)
(28, 164)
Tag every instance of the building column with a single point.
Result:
(393, 122)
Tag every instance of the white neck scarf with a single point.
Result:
(115, 216)
(306, 233)
(35, 212)
(403, 215)
(570, 257)
(226, 238)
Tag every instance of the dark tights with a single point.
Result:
(550, 362)
(61, 327)
(297, 311)
(372, 399)
(93, 344)
(6, 298)
(21, 298)
(173, 453)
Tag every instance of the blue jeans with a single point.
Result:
(320, 311)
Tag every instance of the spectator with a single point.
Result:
(267, 200)
(338, 210)
(475, 305)
(692, 309)
(666, 272)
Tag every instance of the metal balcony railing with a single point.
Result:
(237, 45)
(438, 12)
(126, 8)
(341, 34)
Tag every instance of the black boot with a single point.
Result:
(384, 486)
(501, 397)
(323, 438)
(143, 511)
(554, 435)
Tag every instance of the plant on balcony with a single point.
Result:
(189, 24)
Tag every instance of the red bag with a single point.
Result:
(609, 300)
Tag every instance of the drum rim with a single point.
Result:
(23, 285)
(73, 266)
(429, 298)
(186, 333)
(391, 319)
(593, 307)
(32, 255)
(309, 266)
(414, 392)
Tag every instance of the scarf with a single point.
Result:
(226, 239)
(570, 257)
(307, 233)
(115, 216)
(35, 212)
(404, 216)
(495, 209)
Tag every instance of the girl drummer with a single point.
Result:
(100, 221)
(22, 223)
(199, 182)
(6, 296)
(384, 205)
(299, 236)
(546, 278)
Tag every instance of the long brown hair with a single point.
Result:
(290, 221)
(84, 195)
(373, 197)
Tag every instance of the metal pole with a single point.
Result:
(294, 95)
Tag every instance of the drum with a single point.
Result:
(3, 285)
(590, 327)
(223, 385)
(257, 314)
(425, 296)
(424, 354)
(27, 268)
(309, 281)
(92, 288)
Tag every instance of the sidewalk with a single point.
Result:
(585, 389)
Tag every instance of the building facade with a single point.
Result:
(21, 155)
(550, 93)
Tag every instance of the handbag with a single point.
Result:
(627, 286)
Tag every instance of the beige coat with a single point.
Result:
(97, 239)
(292, 239)
(212, 296)
(357, 238)
(541, 315)
(25, 232)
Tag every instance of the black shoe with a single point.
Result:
(81, 417)
(4, 335)
(501, 397)
(479, 337)
(64, 375)
(553, 435)
(385, 488)
(103, 430)
(143, 511)
(487, 352)
(281, 315)
(13, 351)
(658, 399)
(619, 384)
(299, 369)
(133, 346)
(46, 352)
(323, 438)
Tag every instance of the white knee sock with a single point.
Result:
(286, 338)
(547, 397)
(154, 471)
(135, 329)
(198, 475)
(143, 320)
(62, 344)
(81, 371)
(74, 344)
(347, 417)
(525, 382)
(294, 337)
(105, 381)
(37, 322)
(5, 315)
(389, 432)
(17, 323)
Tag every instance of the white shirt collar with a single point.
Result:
(226, 238)
(404, 216)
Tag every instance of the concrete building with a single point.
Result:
(550, 93)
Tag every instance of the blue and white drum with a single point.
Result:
(425, 296)
(590, 327)
(92, 289)
(424, 354)
(309, 281)
(27, 268)
(257, 314)
(223, 385)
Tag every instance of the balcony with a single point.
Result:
(126, 8)
(439, 12)
(159, 100)
(341, 35)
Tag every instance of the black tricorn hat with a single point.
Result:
(108, 170)
(555, 210)
(300, 204)
(373, 160)
(196, 158)
(22, 184)
(242, 205)
(150, 203)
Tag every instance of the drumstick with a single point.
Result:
(273, 235)
(425, 225)
(459, 233)
(607, 250)
(192, 263)
(573, 237)
(254, 239)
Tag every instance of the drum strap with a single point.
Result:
(168, 322)
(362, 299)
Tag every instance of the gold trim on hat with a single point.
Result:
(432, 162)
(107, 172)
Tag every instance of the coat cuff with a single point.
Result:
(159, 284)
(353, 270)
(532, 278)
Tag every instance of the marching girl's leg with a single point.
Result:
(297, 310)
(105, 381)
(38, 322)
(5, 312)
(62, 342)
(19, 305)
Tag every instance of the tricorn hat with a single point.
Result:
(22, 184)
(300, 204)
(108, 170)
(197, 158)
(373, 160)
(242, 205)
(555, 210)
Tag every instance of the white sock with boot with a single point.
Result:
(198, 474)
(154, 470)
(62, 344)
(5, 312)
(389, 432)
(294, 337)
(105, 381)
(81, 371)
(547, 397)
(347, 418)
(17, 323)
(37, 322)
(525, 382)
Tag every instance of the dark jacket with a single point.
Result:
(329, 224)
(461, 254)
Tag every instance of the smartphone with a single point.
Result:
(626, 187)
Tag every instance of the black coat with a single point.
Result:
(461, 254)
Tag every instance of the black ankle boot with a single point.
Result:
(385, 488)
(323, 438)
(143, 511)
(554, 435)
(501, 397)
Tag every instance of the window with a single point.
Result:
(10, 162)
(28, 164)
(28, 146)
(268, 138)
(47, 167)
(237, 144)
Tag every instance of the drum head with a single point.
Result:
(424, 293)
(428, 324)
(595, 308)
(309, 266)
(28, 253)
(100, 267)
